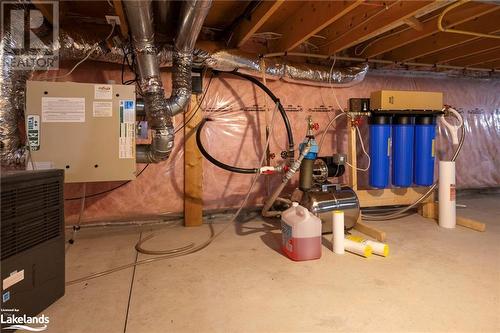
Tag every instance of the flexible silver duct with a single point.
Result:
(12, 82)
(192, 17)
(158, 109)
(76, 47)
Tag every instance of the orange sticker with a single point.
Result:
(453, 192)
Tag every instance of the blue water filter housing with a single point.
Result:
(425, 134)
(380, 151)
(402, 150)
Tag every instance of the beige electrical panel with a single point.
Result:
(86, 129)
(406, 100)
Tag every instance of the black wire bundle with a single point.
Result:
(131, 64)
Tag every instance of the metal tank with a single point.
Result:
(323, 199)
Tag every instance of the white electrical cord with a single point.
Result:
(85, 58)
(323, 136)
(364, 151)
(349, 116)
(189, 249)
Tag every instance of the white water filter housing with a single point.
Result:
(447, 195)
(338, 232)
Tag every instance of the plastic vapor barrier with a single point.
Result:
(236, 136)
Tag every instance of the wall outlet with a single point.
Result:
(112, 19)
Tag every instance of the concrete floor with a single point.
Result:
(434, 280)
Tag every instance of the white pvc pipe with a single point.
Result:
(447, 195)
(338, 232)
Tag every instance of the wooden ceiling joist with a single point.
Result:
(414, 23)
(491, 65)
(456, 52)
(353, 19)
(395, 13)
(311, 18)
(487, 24)
(247, 28)
(467, 12)
(117, 4)
(471, 61)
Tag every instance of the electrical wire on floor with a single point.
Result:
(139, 247)
(194, 249)
(398, 214)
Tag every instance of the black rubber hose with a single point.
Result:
(213, 160)
(273, 97)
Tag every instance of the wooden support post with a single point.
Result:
(429, 210)
(352, 155)
(117, 4)
(193, 170)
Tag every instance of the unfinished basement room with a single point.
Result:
(250, 166)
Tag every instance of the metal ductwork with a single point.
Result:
(160, 110)
(74, 46)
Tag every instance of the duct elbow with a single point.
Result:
(160, 148)
(181, 78)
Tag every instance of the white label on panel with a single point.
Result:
(103, 109)
(103, 91)
(127, 129)
(63, 110)
(14, 278)
(33, 131)
(39, 165)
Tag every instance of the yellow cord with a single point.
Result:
(456, 31)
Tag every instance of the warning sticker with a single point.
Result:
(33, 131)
(286, 234)
(103, 109)
(63, 110)
(12, 279)
(453, 192)
(127, 129)
(38, 165)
